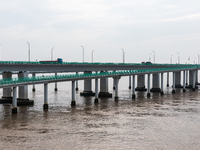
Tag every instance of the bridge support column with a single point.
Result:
(197, 77)
(96, 100)
(113, 84)
(129, 82)
(7, 91)
(156, 83)
(141, 83)
(73, 103)
(104, 88)
(14, 100)
(23, 90)
(184, 81)
(173, 90)
(116, 87)
(33, 89)
(133, 87)
(167, 79)
(46, 105)
(148, 86)
(194, 80)
(178, 80)
(56, 86)
(191, 79)
(76, 83)
(162, 84)
(87, 88)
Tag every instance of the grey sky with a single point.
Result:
(165, 26)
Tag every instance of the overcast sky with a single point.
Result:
(167, 27)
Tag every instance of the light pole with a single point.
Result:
(154, 56)
(171, 59)
(198, 58)
(150, 57)
(178, 58)
(92, 55)
(194, 60)
(83, 53)
(28, 51)
(123, 55)
(189, 60)
(52, 53)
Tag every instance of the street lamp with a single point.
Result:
(154, 56)
(52, 53)
(123, 55)
(171, 59)
(198, 58)
(150, 57)
(92, 55)
(178, 58)
(189, 60)
(83, 53)
(28, 51)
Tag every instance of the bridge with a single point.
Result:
(87, 72)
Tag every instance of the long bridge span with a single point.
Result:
(87, 72)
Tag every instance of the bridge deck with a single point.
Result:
(10, 82)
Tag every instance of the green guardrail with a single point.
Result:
(88, 63)
(8, 81)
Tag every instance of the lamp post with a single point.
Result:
(154, 56)
(92, 55)
(123, 55)
(52, 53)
(150, 57)
(189, 60)
(83, 53)
(178, 58)
(198, 58)
(171, 59)
(28, 51)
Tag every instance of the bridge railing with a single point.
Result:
(8, 81)
(88, 63)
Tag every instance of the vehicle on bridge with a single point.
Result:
(58, 60)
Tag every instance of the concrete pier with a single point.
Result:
(133, 87)
(184, 81)
(116, 88)
(173, 90)
(194, 80)
(129, 82)
(23, 92)
(141, 83)
(104, 88)
(191, 79)
(56, 86)
(113, 84)
(96, 100)
(7, 91)
(14, 101)
(46, 105)
(73, 102)
(148, 86)
(167, 79)
(77, 83)
(161, 92)
(178, 80)
(33, 89)
(156, 83)
(87, 88)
